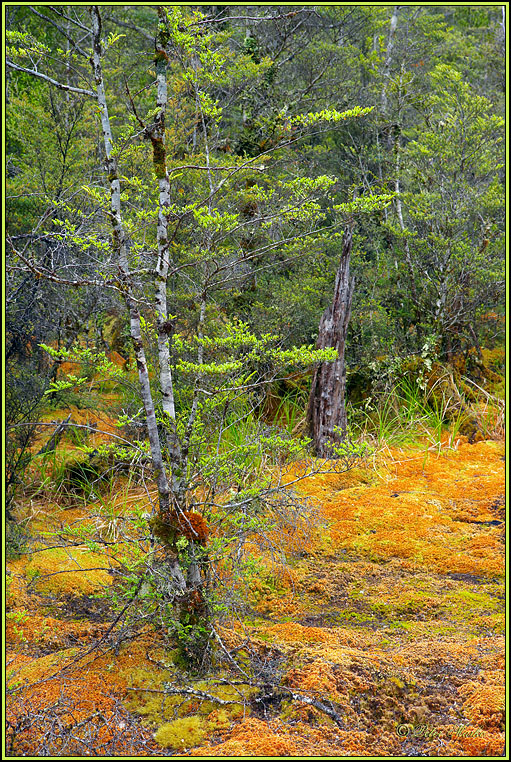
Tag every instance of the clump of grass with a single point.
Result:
(414, 410)
(291, 412)
(489, 413)
(393, 419)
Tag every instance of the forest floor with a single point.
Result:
(392, 610)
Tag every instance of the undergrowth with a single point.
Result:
(431, 407)
(303, 641)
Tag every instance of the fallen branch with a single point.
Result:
(489, 396)
(188, 692)
(52, 443)
(170, 690)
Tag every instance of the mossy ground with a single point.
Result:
(393, 610)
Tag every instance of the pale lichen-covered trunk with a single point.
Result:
(388, 59)
(178, 452)
(399, 212)
(157, 136)
(394, 141)
(186, 588)
(327, 406)
(120, 249)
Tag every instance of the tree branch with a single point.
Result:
(51, 81)
(61, 30)
(68, 18)
(135, 28)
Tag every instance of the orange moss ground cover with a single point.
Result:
(392, 613)
(395, 615)
(63, 707)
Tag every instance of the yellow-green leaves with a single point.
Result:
(215, 220)
(71, 383)
(365, 204)
(24, 45)
(85, 357)
(328, 116)
(112, 39)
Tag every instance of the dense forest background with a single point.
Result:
(204, 204)
(428, 267)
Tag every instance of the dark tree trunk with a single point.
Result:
(327, 409)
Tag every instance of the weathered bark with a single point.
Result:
(327, 407)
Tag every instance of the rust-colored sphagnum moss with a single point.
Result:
(392, 614)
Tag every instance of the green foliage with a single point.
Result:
(328, 115)
(455, 234)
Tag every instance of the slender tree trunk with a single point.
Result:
(192, 605)
(120, 248)
(394, 141)
(156, 133)
(157, 136)
(388, 61)
(327, 405)
(408, 256)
